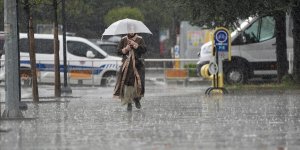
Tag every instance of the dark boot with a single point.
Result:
(137, 103)
(129, 107)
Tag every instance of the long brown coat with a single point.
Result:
(132, 70)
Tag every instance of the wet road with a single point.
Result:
(172, 117)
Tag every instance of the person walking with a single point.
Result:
(130, 85)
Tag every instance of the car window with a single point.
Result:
(81, 49)
(42, 46)
(261, 30)
(267, 30)
(251, 33)
(110, 49)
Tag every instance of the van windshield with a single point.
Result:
(267, 30)
(242, 26)
(261, 30)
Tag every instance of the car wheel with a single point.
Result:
(109, 79)
(235, 75)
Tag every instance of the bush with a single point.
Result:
(192, 69)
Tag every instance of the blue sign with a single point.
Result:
(176, 51)
(221, 40)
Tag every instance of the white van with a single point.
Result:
(253, 50)
(85, 60)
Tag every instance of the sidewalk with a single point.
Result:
(172, 117)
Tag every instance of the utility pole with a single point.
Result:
(12, 77)
(66, 88)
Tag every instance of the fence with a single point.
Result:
(91, 73)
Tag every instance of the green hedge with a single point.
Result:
(192, 69)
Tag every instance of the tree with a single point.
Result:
(121, 13)
(296, 35)
(57, 88)
(30, 31)
(86, 17)
(281, 53)
(161, 15)
(219, 12)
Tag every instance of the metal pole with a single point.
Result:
(65, 88)
(92, 73)
(12, 79)
(22, 105)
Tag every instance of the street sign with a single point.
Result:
(176, 51)
(176, 56)
(221, 40)
(221, 50)
(222, 43)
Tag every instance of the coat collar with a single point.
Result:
(133, 38)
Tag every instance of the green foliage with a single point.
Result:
(228, 13)
(288, 80)
(192, 69)
(288, 83)
(122, 13)
(190, 65)
(34, 2)
(80, 7)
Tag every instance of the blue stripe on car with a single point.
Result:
(49, 67)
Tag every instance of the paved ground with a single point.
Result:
(172, 117)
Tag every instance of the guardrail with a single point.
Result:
(86, 71)
(169, 70)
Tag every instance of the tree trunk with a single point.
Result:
(281, 53)
(57, 88)
(35, 93)
(296, 35)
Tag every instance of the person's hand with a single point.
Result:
(133, 44)
(126, 49)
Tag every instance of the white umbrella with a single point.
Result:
(126, 26)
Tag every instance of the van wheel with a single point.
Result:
(109, 79)
(235, 74)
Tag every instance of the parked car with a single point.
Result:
(253, 50)
(109, 47)
(85, 59)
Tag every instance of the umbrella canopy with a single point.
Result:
(126, 26)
